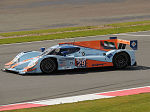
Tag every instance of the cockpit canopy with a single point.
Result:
(59, 50)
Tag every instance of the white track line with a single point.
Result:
(78, 98)
(75, 38)
(70, 99)
(134, 35)
(51, 40)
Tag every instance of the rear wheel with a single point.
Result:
(121, 60)
(48, 65)
(135, 64)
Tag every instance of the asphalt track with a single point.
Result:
(20, 15)
(15, 88)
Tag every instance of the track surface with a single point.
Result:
(20, 15)
(15, 88)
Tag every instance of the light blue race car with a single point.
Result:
(71, 55)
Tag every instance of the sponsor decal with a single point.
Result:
(91, 54)
(69, 58)
(66, 59)
(81, 62)
(68, 67)
(62, 62)
(63, 59)
(110, 55)
(97, 64)
(62, 65)
(71, 63)
(83, 53)
(134, 44)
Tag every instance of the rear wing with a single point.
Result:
(122, 43)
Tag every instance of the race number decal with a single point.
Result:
(81, 62)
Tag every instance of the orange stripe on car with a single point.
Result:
(30, 68)
(15, 65)
(23, 61)
(95, 63)
(90, 44)
(29, 59)
(9, 63)
(123, 41)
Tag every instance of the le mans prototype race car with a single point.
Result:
(71, 55)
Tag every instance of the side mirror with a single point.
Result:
(64, 53)
(42, 49)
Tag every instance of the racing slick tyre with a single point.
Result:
(135, 64)
(48, 65)
(121, 60)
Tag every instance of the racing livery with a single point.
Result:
(71, 55)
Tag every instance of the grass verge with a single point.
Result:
(133, 103)
(46, 31)
(72, 32)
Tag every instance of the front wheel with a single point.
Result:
(121, 60)
(48, 65)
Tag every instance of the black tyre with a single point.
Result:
(48, 65)
(121, 60)
(135, 64)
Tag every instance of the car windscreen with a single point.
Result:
(58, 51)
(47, 51)
(70, 50)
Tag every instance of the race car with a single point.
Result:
(71, 55)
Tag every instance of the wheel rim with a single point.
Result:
(48, 66)
(121, 61)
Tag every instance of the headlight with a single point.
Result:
(31, 66)
(33, 63)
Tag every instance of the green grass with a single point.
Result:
(71, 29)
(46, 31)
(129, 23)
(75, 32)
(133, 103)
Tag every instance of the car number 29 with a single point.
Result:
(81, 62)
